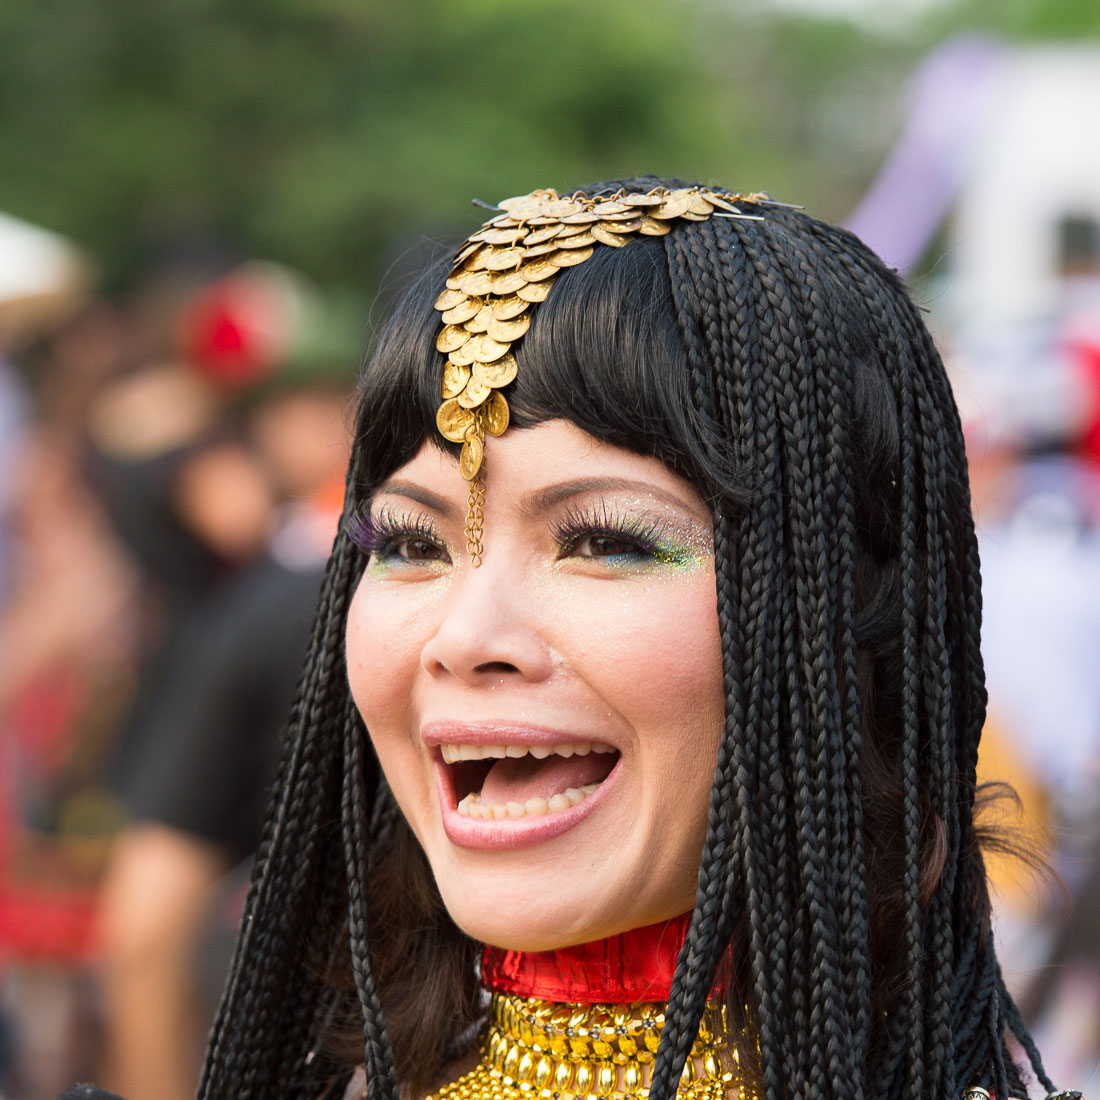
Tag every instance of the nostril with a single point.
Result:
(497, 668)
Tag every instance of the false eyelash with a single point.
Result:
(372, 534)
(580, 522)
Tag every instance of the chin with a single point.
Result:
(522, 925)
(542, 918)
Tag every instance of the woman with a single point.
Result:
(527, 722)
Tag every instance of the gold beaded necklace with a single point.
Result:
(542, 1050)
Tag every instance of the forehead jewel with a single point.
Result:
(508, 266)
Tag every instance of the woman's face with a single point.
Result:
(549, 721)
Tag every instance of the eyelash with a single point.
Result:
(377, 536)
(579, 523)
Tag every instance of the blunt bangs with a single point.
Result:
(604, 351)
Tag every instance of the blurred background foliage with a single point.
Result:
(330, 133)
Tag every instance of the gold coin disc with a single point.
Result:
(605, 236)
(463, 356)
(451, 339)
(453, 421)
(673, 207)
(475, 392)
(469, 461)
(624, 225)
(495, 415)
(508, 282)
(496, 374)
(575, 230)
(480, 321)
(508, 331)
(541, 235)
(504, 259)
(603, 209)
(537, 270)
(463, 257)
(543, 249)
(508, 237)
(485, 349)
(504, 309)
(535, 292)
(580, 240)
(455, 378)
(561, 209)
(479, 260)
(582, 217)
(523, 206)
(651, 227)
(572, 257)
(461, 313)
(449, 299)
(477, 284)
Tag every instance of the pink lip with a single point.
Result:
(494, 733)
(507, 833)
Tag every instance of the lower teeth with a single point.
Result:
(472, 806)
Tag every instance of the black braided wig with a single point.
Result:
(784, 370)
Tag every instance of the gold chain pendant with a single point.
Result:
(541, 1050)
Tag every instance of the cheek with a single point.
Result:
(664, 655)
(654, 655)
(383, 650)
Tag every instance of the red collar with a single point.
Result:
(632, 966)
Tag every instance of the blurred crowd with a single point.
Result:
(171, 473)
(1029, 395)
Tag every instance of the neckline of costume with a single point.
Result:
(632, 966)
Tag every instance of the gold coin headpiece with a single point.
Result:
(508, 266)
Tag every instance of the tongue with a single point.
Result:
(518, 779)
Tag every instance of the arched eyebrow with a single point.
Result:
(538, 501)
(398, 487)
(542, 500)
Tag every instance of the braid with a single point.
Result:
(378, 1057)
(839, 736)
(757, 740)
(263, 1028)
(712, 921)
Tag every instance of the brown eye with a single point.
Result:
(603, 546)
(415, 549)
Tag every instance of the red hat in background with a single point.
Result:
(240, 329)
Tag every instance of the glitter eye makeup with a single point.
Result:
(395, 538)
(602, 533)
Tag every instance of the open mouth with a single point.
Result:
(499, 781)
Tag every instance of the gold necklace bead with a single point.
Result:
(538, 1050)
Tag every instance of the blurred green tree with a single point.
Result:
(319, 132)
(331, 134)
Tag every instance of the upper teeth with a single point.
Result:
(453, 753)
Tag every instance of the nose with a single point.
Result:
(487, 628)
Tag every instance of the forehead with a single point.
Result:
(538, 467)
